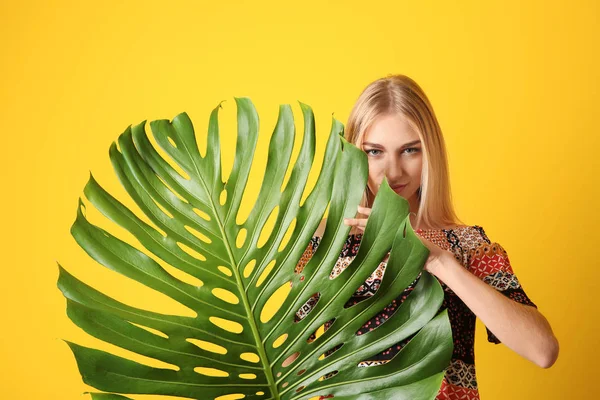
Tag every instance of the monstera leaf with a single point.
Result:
(243, 341)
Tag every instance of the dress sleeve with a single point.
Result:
(489, 261)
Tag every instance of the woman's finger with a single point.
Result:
(358, 222)
(360, 228)
(364, 210)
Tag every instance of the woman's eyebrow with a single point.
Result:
(404, 145)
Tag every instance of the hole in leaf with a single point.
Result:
(301, 372)
(180, 197)
(260, 393)
(248, 376)
(320, 330)
(208, 346)
(211, 372)
(287, 236)
(225, 270)
(285, 384)
(250, 357)
(274, 303)
(249, 268)
(227, 325)
(223, 197)
(383, 316)
(179, 274)
(225, 295)
(191, 252)
(355, 300)
(311, 186)
(280, 340)
(265, 273)
(328, 375)
(278, 374)
(172, 142)
(151, 330)
(161, 208)
(307, 307)
(330, 351)
(234, 396)
(201, 214)
(177, 168)
(241, 238)
(157, 229)
(288, 361)
(365, 291)
(267, 228)
(301, 388)
(197, 234)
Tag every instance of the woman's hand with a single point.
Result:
(437, 256)
(359, 223)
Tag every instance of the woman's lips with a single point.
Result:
(398, 188)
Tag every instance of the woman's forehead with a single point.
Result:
(390, 130)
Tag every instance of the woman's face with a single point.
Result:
(394, 150)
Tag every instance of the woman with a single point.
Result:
(394, 124)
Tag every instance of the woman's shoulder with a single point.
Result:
(447, 228)
(466, 236)
(477, 228)
(471, 236)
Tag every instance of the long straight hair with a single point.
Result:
(399, 94)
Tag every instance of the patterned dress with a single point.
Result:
(472, 248)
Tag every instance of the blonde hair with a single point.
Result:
(400, 94)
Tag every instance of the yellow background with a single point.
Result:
(515, 86)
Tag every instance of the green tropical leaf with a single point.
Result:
(242, 277)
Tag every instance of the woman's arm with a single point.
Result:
(520, 327)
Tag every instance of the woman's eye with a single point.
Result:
(367, 151)
(409, 150)
(374, 154)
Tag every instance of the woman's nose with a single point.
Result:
(394, 171)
